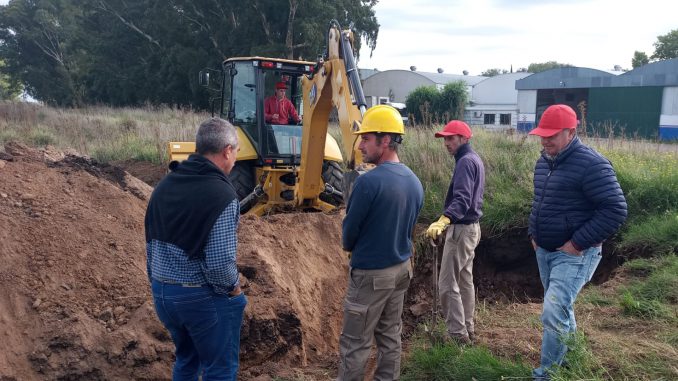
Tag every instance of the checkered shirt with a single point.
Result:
(168, 263)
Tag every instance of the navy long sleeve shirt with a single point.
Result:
(380, 216)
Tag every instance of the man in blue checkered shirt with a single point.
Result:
(191, 238)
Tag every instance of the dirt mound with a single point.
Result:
(295, 280)
(74, 295)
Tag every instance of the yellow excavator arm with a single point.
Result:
(335, 83)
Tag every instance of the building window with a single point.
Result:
(505, 119)
(489, 119)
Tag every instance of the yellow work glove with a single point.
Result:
(438, 227)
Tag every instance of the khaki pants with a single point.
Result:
(455, 284)
(373, 310)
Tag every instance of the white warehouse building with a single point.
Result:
(393, 86)
(494, 102)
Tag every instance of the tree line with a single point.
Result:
(128, 53)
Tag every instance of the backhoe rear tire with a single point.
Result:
(333, 174)
(243, 178)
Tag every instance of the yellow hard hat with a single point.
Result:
(382, 118)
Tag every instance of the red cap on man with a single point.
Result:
(280, 85)
(555, 119)
(455, 127)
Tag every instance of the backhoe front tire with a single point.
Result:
(243, 178)
(333, 174)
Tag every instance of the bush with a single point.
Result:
(428, 105)
(451, 101)
(420, 104)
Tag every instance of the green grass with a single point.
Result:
(596, 298)
(580, 363)
(657, 233)
(450, 362)
(655, 294)
(641, 267)
(642, 307)
(433, 361)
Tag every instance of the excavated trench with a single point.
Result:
(505, 268)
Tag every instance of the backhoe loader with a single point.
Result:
(291, 166)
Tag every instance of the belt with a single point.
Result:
(190, 285)
(235, 291)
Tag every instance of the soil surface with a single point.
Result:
(74, 295)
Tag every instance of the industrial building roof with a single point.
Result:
(442, 78)
(661, 73)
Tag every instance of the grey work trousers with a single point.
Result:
(373, 310)
(455, 283)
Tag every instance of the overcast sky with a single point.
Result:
(476, 35)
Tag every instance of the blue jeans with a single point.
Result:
(205, 328)
(563, 276)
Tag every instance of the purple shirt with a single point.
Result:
(464, 200)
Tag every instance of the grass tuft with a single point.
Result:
(41, 138)
(655, 294)
(451, 362)
(642, 308)
(579, 363)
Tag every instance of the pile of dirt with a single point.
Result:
(74, 295)
(296, 277)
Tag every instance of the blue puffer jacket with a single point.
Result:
(576, 197)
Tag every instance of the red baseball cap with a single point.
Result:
(555, 119)
(455, 127)
(280, 85)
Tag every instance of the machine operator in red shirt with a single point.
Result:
(278, 109)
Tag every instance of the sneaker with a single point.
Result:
(472, 336)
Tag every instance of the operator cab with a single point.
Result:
(247, 82)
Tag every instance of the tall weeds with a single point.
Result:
(104, 133)
(647, 171)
